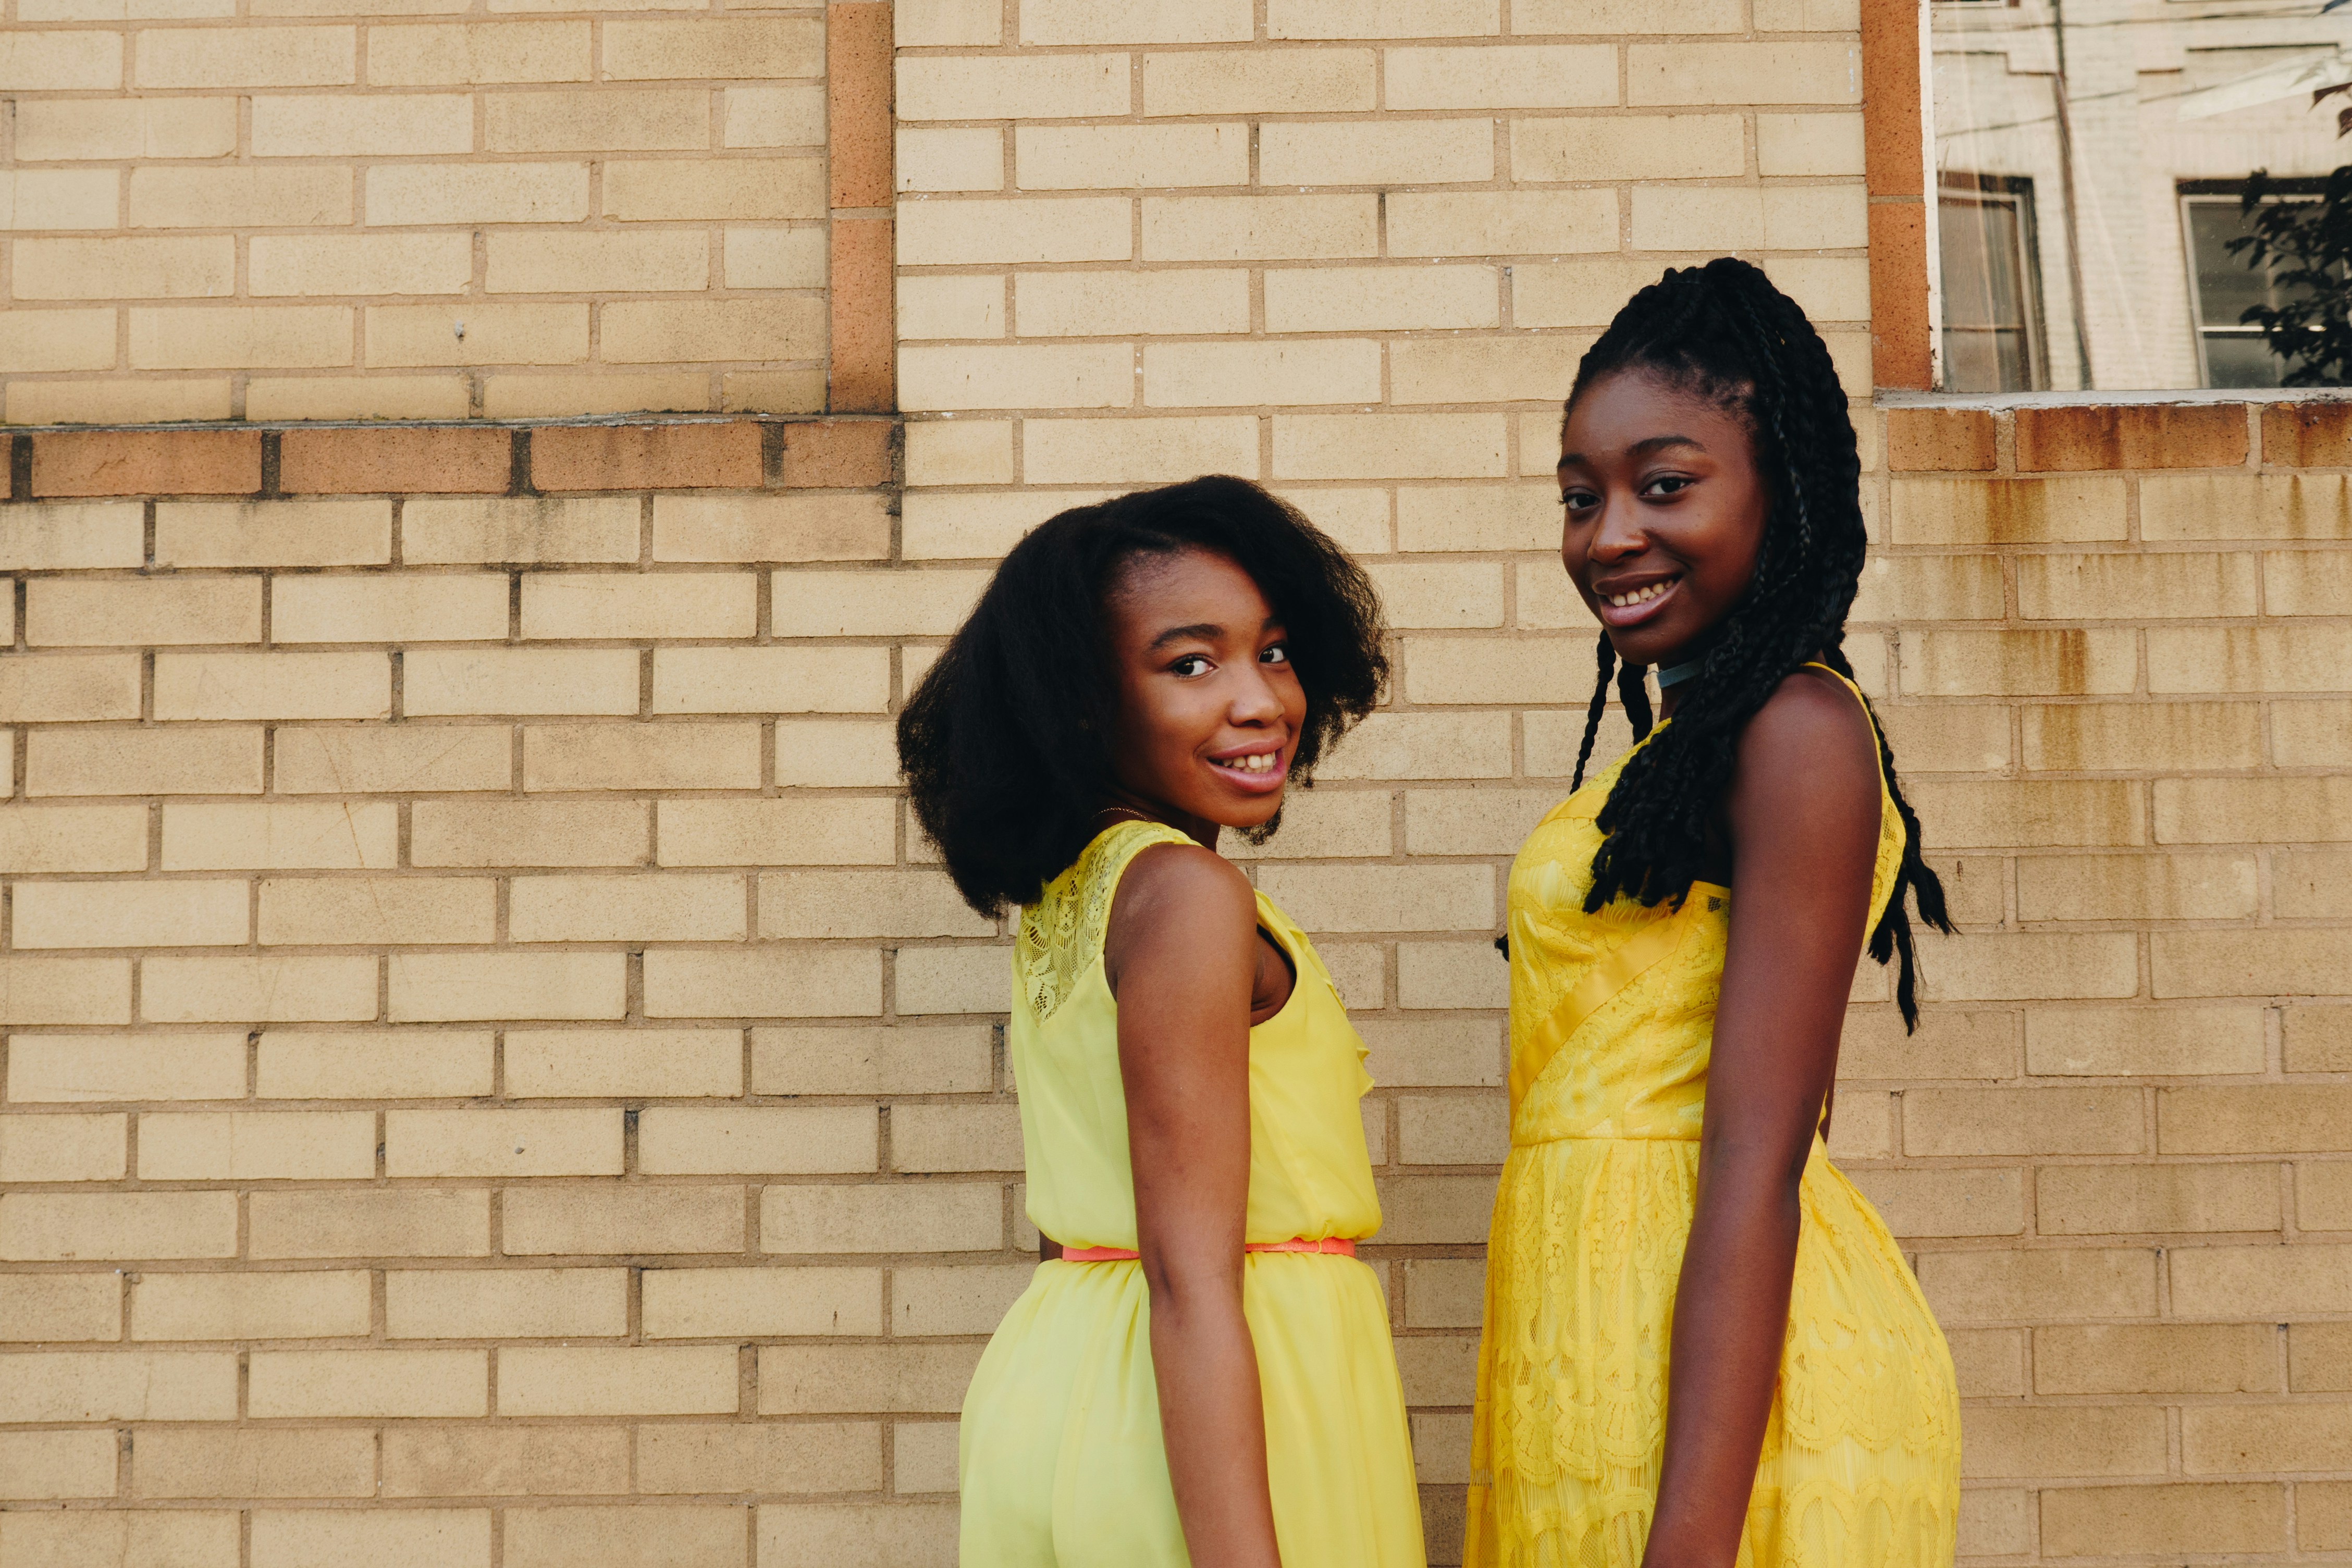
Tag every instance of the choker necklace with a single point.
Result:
(1675, 674)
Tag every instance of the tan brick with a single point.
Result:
(2034, 967)
(1925, 438)
(272, 685)
(69, 688)
(2232, 507)
(1628, 17)
(740, 190)
(2316, 1038)
(409, 335)
(268, 989)
(819, 526)
(275, 1305)
(1125, 157)
(1501, 223)
(374, 760)
(735, 1303)
(56, 1227)
(405, 608)
(1037, 229)
(2019, 664)
(65, 612)
(925, 23)
(770, 680)
(2248, 963)
(205, 1539)
(1404, 446)
(900, 1060)
(408, 1222)
(2157, 1358)
(442, 397)
(68, 536)
(2006, 511)
(520, 531)
(1043, 86)
(790, 116)
(125, 268)
(956, 1298)
(958, 1216)
(39, 839)
(1450, 1052)
(125, 129)
(617, 1381)
(739, 46)
(232, 337)
(1473, 369)
(2305, 582)
(668, 330)
(1018, 377)
(61, 199)
(376, 910)
(441, 988)
(2268, 1281)
(1742, 73)
(820, 904)
(64, 991)
(2311, 733)
(2166, 1042)
(782, 982)
(2311, 883)
(61, 1308)
(762, 1457)
(2226, 1440)
(1930, 587)
(396, 1383)
(273, 533)
(511, 1303)
(62, 1146)
(344, 125)
(130, 915)
(57, 341)
(1082, 450)
(2271, 659)
(1947, 1202)
(626, 605)
(2253, 1119)
(464, 54)
(578, 1064)
(550, 1220)
(2090, 1200)
(92, 1068)
(399, 1065)
(2323, 1194)
(474, 193)
(395, 1538)
(262, 1463)
(2135, 736)
(49, 1466)
(448, 681)
(2177, 1518)
(2006, 1285)
(119, 1385)
(603, 119)
(955, 307)
(1266, 227)
(2316, 1362)
(1814, 145)
(841, 1379)
(222, 56)
(2071, 1440)
(2136, 887)
(631, 908)
(2134, 587)
(496, 1142)
(801, 1141)
(504, 1461)
(820, 1535)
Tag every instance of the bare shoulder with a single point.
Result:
(1809, 754)
(1180, 888)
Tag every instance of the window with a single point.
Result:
(2230, 354)
(1991, 283)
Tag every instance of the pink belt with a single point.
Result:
(1337, 1244)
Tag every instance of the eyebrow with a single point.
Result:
(1642, 448)
(1205, 630)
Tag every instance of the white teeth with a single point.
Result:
(1261, 762)
(1642, 595)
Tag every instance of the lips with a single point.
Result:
(1632, 605)
(1255, 772)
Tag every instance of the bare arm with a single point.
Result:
(1181, 954)
(1803, 818)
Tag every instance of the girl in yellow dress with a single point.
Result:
(1702, 1347)
(1201, 1372)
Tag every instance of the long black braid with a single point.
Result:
(1725, 332)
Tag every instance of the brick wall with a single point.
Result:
(447, 1121)
(322, 209)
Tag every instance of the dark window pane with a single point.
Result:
(2240, 359)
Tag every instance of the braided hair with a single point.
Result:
(1723, 332)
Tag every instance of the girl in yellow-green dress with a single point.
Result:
(1702, 1347)
(1201, 1372)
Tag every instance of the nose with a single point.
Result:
(1254, 701)
(1618, 533)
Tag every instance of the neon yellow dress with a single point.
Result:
(1612, 1018)
(1061, 1461)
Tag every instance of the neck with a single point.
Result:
(1125, 805)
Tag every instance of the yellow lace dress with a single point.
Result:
(1060, 1455)
(1612, 1018)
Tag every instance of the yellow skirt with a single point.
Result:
(1061, 1461)
(1860, 1466)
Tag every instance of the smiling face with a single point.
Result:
(1666, 513)
(1210, 708)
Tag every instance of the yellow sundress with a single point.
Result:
(1612, 1015)
(1060, 1457)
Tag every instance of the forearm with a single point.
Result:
(1212, 1420)
(1731, 1316)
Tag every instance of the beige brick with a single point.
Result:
(268, 989)
(2267, 1282)
(466, 54)
(273, 533)
(1424, 745)
(2090, 1200)
(130, 915)
(955, 1298)
(2226, 1440)
(900, 1060)
(96, 1068)
(2311, 883)
(2311, 733)
(395, 1223)
(1453, 1131)
(1037, 229)
(2073, 1440)
(2019, 664)
(954, 307)
(1475, 370)
(923, 1456)
(39, 839)
(515, 1304)
(955, 1217)
(933, 603)
(567, 1219)
(63, 199)
(2300, 582)
(2232, 507)
(1263, 227)
(1126, 157)
(2174, 1517)
(1472, 821)
(2136, 887)
(2135, 736)
(343, 125)
(627, 605)
(129, 268)
(1004, 88)
(394, 1383)
(2007, 1285)
(736, 1303)
(628, 909)
(57, 1226)
(1259, 81)
(1479, 517)
(232, 195)
(1363, 298)
(520, 531)
(1946, 737)
(1502, 223)
(531, 1461)
(831, 905)
(272, 685)
(1791, 73)
(1627, 16)
(230, 337)
(447, 682)
(65, 537)
(61, 1308)
(475, 193)
(1383, 898)
(370, 760)
(60, 612)
(49, 1466)
(637, 1537)
(764, 1457)
(64, 991)
(2157, 1358)
(57, 341)
(738, 46)
(1814, 145)
(2033, 967)
(603, 119)
(1465, 670)
(640, 1381)
(809, 1140)
(2253, 1119)
(817, 526)
(62, 1146)
(839, 1379)
(118, 1386)
(819, 1535)
(2305, 962)
(487, 1142)
(580, 1063)
(150, 1539)
(925, 23)
(1947, 1202)
(1353, 823)
(2316, 1038)
(788, 982)
(955, 1138)
(1343, 152)
(69, 688)
(494, 334)
(1136, 22)
(406, 608)
(2323, 1196)
(405, 1537)
(2006, 511)
(1636, 147)
(1973, 815)
(263, 1463)
(222, 56)
(2315, 1357)
(329, 1304)
(770, 680)
(1127, 451)
(441, 988)
(790, 116)
(2270, 659)
(371, 1065)
(1930, 587)
(140, 130)
(1448, 1052)
(2134, 587)
(1404, 446)
(2115, 1041)
(356, 397)
(640, 332)
(741, 190)
(1018, 376)
(1450, 974)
